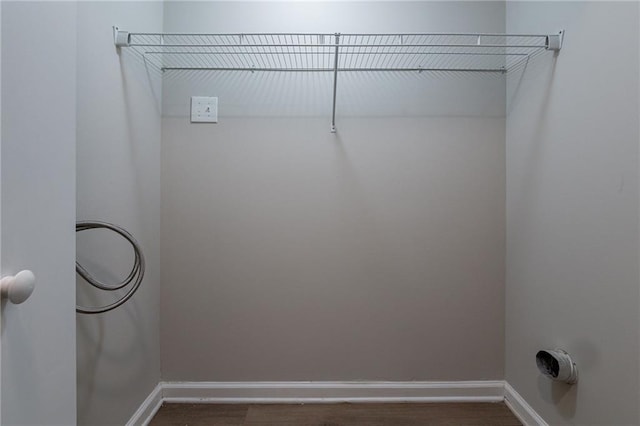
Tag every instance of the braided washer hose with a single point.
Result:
(136, 275)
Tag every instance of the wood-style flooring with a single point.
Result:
(433, 414)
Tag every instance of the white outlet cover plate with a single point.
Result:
(204, 109)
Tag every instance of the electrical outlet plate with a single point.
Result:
(204, 109)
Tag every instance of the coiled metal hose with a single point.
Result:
(135, 276)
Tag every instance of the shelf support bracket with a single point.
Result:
(554, 41)
(121, 38)
(335, 83)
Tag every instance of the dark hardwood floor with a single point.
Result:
(436, 414)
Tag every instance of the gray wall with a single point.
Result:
(38, 210)
(118, 179)
(289, 253)
(572, 212)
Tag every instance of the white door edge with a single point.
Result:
(0, 210)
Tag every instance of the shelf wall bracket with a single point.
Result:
(121, 38)
(335, 82)
(554, 41)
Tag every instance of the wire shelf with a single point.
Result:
(355, 52)
(336, 53)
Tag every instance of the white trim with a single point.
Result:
(522, 410)
(148, 408)
(307, 400)
(317, 393)
(331, 392)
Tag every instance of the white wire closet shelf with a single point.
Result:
(336, 53)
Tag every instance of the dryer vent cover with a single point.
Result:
(557, 365)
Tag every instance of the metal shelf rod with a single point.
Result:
(499, 70)
(332, 53)
(343, 34)
(335, 84)
(328, 46)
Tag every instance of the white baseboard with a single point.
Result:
(523, 411)
(148, 408)
(328, 392)
(316, 392)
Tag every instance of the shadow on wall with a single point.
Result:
(359, 94)
(145, 74)
(539, 66)
(96, 356)
(560, 395)
(113, 347)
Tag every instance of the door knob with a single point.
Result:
(17, 288)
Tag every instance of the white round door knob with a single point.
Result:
(18, 288)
